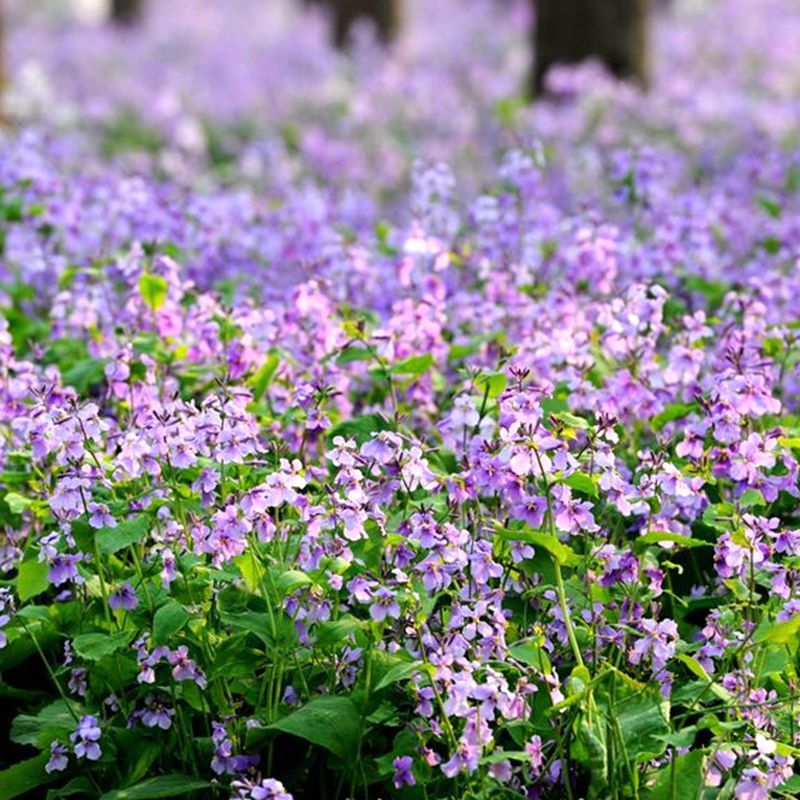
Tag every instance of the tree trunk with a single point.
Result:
(385, 14)
(126, 12)
(570, 31)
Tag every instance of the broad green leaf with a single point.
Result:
(18, 502)
(656, 537)
(557, 549)
(84, 374)
(252, 622)
(582, 483)
(778, 632)
(360, 428)
(94, 646)
(713, 291)
(531, 655)
(416, 365)
(397, 673)
(673, 412)
(684, 780)
(571, 420)
(160, 786)
(292, 579)
(80, 786)
(638, 709)
(154, 290)
(249, 568)
(168, 620)
(506, 755)
(51, 722)
(492, 383)
(24, 777)
(128, 532)
(333, 632)
(770, 205)
(32, 579)
(751, 498)
(621, 724)
(329, 722)
(352, 353)
(697, 669)
(260, 382)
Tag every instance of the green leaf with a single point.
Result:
(94, 646)
(416, 365)
(84, 374)
(18, 502)
(621, 724)
(293, 579)
(506, 755)
(582, 483)
(161, 786)
(752, 497)
(80, 786)
(331, 633)
(329, 722)
(672, 412)
(682, 781)
(249, 568)
(770, 205)
(531, 655)
(639, 711)
(557, 549)
(51, 722)
(397, 673)
(778, 632)
(360, 428)
(260, 382)
(352, 353)
(168, 620)
(493, 384)
(24, 777)
(656, 537)
(128, 532)
(154, 290)
(713, 291)
(571, 420)
(253, 622)
(697, 669)
(32, 579)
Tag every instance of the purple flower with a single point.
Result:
(64, 568)
(85, 738)
(465, 759)
(534, 750)
(157, 714)
(99, 516)
(6, 612)
(124, 597)
(58, 758)
(384, 605)
(658, 642)
(752, 786)
(77, 682)
(184, 668)
(403, 776)
(270, 789)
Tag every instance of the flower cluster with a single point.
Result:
(496, 498)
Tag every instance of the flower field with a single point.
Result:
(371, 432)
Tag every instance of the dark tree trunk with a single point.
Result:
(126, 12)
(613, 31)
(385, 14)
